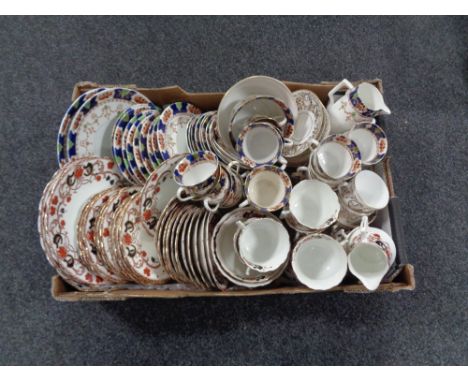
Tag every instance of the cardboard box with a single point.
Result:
(400, 277)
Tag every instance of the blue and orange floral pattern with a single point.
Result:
(62, 154)
(165, 138)
(123, 94)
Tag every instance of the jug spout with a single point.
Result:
(372, 283)
(370, 100)
(384, 109)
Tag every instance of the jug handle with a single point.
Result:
(332, 92)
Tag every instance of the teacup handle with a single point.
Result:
(363, 227)
(283, 162)
(210, 205)
(245, 203)
(304, 170)
(241, 224)
(287, 142)
(181, 197)
(342, 83)
(342, 187)
(234, 166)
(341, 237)
(313, 145)
(285, 212)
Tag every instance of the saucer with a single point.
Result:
(90, 132)
(62, 154)
(77, 183)
(172, 128)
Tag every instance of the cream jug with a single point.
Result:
(359, 104)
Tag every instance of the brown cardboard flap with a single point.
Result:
(63, 292)
(208, 101)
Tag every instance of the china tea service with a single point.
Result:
(271, 187)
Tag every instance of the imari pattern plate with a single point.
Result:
(91, 129)
(79, 181)
(172, 128)
(117, 134)
(62, 154)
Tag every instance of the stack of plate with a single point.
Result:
(183, 235)
(145, 137)
(91, 228)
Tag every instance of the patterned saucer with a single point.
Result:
(144, 128)
(62, 154)
(172, 128)
(311, 111)
(157, 192)
(132, 150)
(137, 249)
(127, 148)
(106, 250)
(86, 232)
(117, 135)
(78, 182)
(152, 143)
(91, 129)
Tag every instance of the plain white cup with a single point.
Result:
(313, 204)
(252, 153)
(365, 193)
(319, 262)
(371, 140)
(334, 160)
(263, 244)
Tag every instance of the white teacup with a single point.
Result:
(267, 188)
(319, 262)
(371, 140)
(259, 144)
(196, 174)
(365, 193)
(313, 206)
(263, 243)
(335, 159)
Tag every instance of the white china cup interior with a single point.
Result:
(334, 159)
(320, 263)
(303, 126)
(261, 107)
(261, 144)
(371, 189)
(369, 264)
(366, 142)
(198, 173)
(266, 189)
(264, 243)
(371, 97)
(313, 202)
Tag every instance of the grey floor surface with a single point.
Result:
(423, 63)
